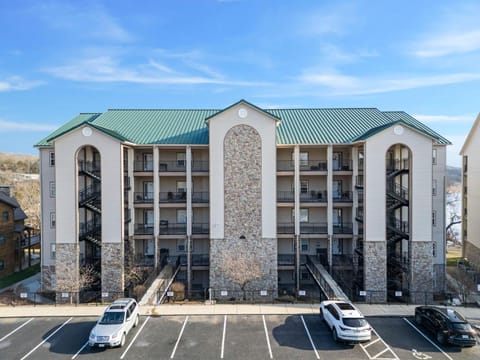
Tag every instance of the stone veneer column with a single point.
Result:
(66, 270)
(112, 270)
(243, 212)
(375, 270)
(421, 283)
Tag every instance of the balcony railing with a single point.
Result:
(167, 228)
(143, 229)
(359, 181)
(144, 260)
(200, 197)
(143, 166)
(343, 228)
(397, 164)
(344, 196)
(285, 196)
(143, 198)
(313, 165)
(89, 166)
(286, 259)
(313, 228)
(314, 196)
(172, 166)
(285, 228)
(200, 165)
(285, 165)
(200, 228)
(344, 165)
(200, 260)
(173, 197)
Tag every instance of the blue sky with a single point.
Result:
(60, 58)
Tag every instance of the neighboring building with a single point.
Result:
(470, 153)
(12, 233)
(356, 188)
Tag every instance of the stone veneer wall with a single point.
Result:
(46, 277)
(66, 265)
(112, 269)
(421, 283)
(375, 270)
(472, 253)
(243, 211)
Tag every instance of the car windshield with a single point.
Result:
(462, 326)
(355, 322)
(111, 317)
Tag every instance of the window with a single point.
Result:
(434, 218)
(53, 252)
(181, 186)
(434, 156)
(181, 159)
(3, 239)
(51, 158)
(2, 264)
(304, 245)
(181, 216)
(52, 220)
(434, 249)
(181, 245)
(52, 189)
(304, 186)
(5, 216)
(434, 187)
(303, 157)
(303, 215)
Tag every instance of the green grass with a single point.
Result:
(19, 276)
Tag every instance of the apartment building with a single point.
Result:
(470, 153)
(360, 189)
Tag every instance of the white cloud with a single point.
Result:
(10, 126)
(17, 83)
(449, 43)
(444, 118)
(335, 20)
(106, 69)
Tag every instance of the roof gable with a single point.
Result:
(245, 103)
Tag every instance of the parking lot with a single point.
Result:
(222, 337)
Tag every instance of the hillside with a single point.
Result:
(21, 172)
(454, 176)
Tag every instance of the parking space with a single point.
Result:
(222, 337)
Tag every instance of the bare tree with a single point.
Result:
(241, 267)
(464, 282)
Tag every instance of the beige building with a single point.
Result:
(470, 153)
(359, 189)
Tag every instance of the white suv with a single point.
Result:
(114, 325)
(345, 321)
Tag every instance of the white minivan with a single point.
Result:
(114, 325)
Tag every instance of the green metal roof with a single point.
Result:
(189, 126)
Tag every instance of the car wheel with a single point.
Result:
(418, 319)
(136, 322)
(441, 337)
(122, 342)
(334, 335)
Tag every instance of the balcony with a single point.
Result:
(343, 228)
(172, 166)
(143, 229)
(359, 213)
(344, 165)
(200, 260)
(314, 196)
(313, 165)
(143, 166)
(200, 197)
(200, 228)
(173, 197)
(144, 260)
(359, 181)
(285, 165)
(200, 166)
(285, 228)
(285, 196)
(286, 259)
(143, 198)
(344, 196)
(167, 228)
(313, 228)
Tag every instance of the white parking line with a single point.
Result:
(223, 336)
(310, 337)
(268, 339)
(135, 337)
(79, 351)
(44, 341)
(179, 337)
(14, 331)
(426, 337)
(377, 356)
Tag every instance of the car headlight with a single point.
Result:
(92, 335)
(114, 336)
